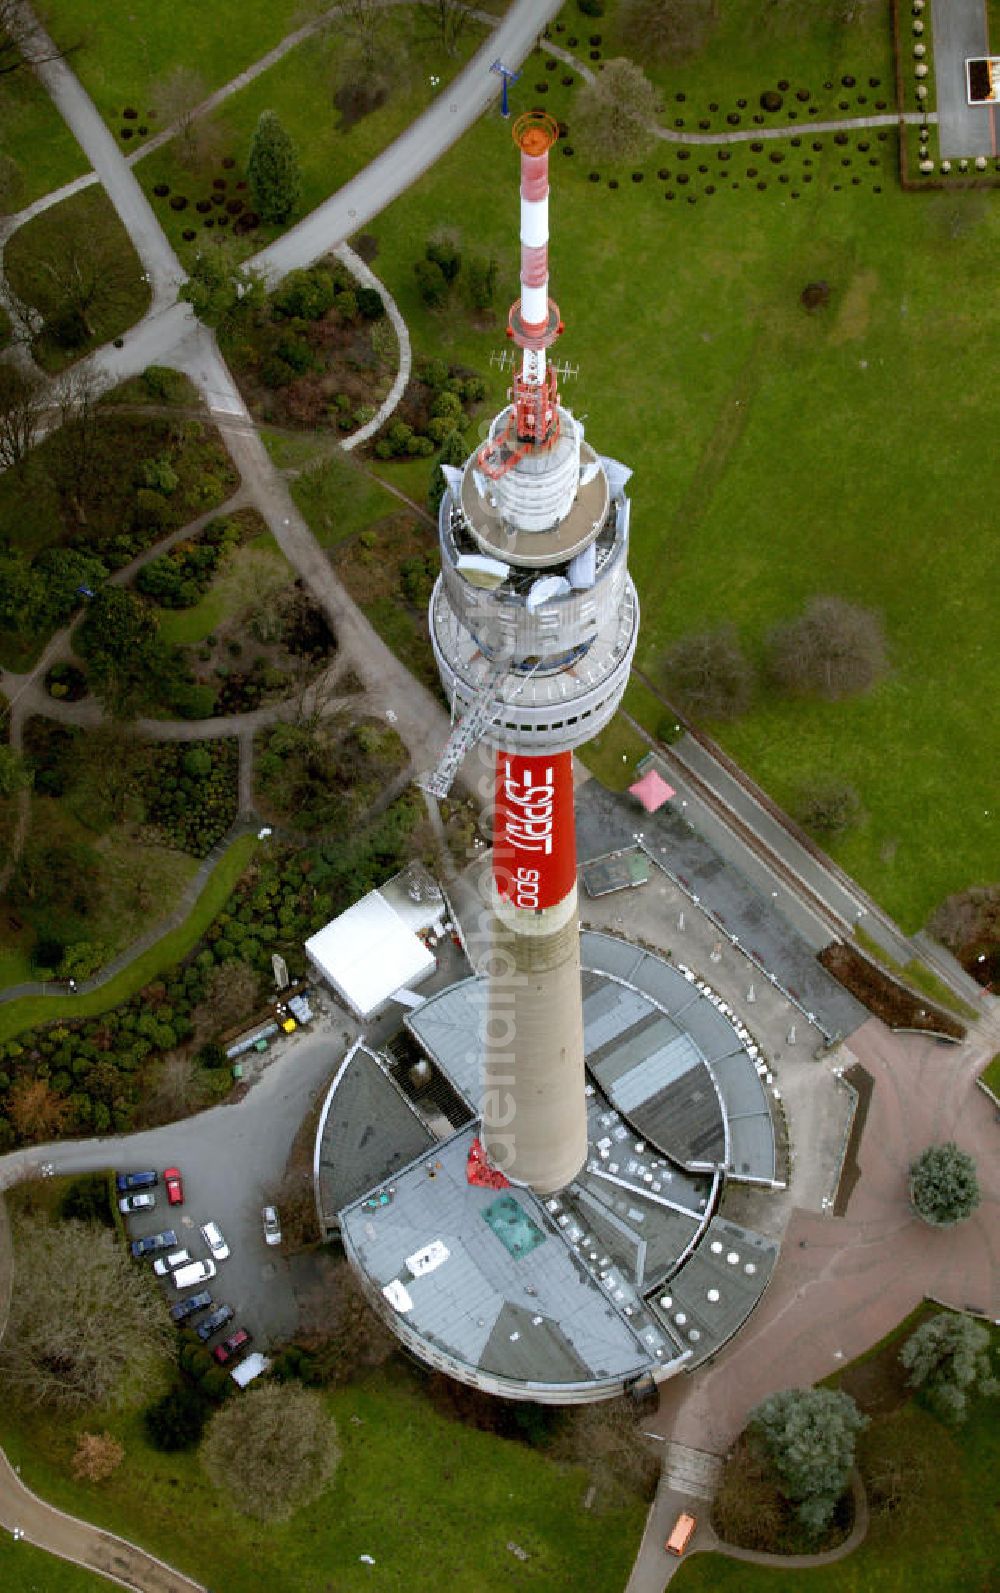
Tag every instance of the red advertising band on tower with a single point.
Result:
(534, 839)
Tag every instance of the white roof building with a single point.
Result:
(369, 953)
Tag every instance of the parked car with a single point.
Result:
(232, 1346)
(194, 1272)
(194, 1302)
(212, 1235)
(167, 1240)
(127, 1181)
(175, 1187)
(219, 1317)
(142, 1200)
(272, 1227)
(164, 1264)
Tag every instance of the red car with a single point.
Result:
(229, 1347)
(175, 1189)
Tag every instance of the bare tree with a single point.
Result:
(364, 19)
(452, 18)
(829, 807)
(88, 274)
(20, 411)
(616, 113)
(11, 184)
(748, 1509)
(833, 650)
(606, 1438)
(21, 43)
(709, 675)
(272, 1450)
(176, 1088)
(179, 96)
(84, 1324)
(338, 1327)
(72, 456)
(231, 994)
(667, 30)
(96, 1456)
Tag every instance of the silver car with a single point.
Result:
(143, 1200)
(212, 1235)
(272, 1227)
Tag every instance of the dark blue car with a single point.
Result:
(219, 1317)
(166, 1240)
(126, 1181)
(194, 1302)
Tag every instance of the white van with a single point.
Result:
(197, 1272)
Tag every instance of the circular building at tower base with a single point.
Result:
(623, 1278)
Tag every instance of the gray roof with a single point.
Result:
(731, 1262)
(368, 1131)
(481, 1304)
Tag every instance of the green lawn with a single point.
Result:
(38, 242)
(991, 1075)
(777, 454)
(298, 89)
(339, 499)
(433, 1501)
(34, 135)
(32, 1010)
(124, 60)
(25, 1569)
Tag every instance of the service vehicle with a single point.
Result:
(681, 1533)
(194, 1272)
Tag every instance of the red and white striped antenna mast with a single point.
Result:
(534, 322)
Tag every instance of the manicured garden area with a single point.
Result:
(931, 1493)
(773, 448)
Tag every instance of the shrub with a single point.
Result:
(176, 1421)
(443, 253)
(370, 303)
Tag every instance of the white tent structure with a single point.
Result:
(369, 953)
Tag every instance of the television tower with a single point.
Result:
(533, 621)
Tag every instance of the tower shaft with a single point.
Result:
(534, 1105)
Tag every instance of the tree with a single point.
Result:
(832, 650)
(809, 1434)
(86, 275)
(119, 638)
(452, 18)
(709, 674)
(176, 1421)
(338, 1327)
(944, 1188)
(432, 283)
(220, 290)
(453, 452)
(607, 1439)
(85, 1324)
(829, 806)
(949, 1358)
(11, 184)
(364, 23)
(96, 1456)
(231, 994)
(616, 113)
(73, 454)
(37, 1112)
(273, 169)
(21, 44)
(272, 1450)
(969, 925)
(20, 411)
(178, 97)
(667, 30)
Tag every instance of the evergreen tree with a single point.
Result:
(949, 1357)
(809, 1434)
(943, 1185)
(273, 169)
(453, 452)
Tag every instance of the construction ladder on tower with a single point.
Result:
(469, 729)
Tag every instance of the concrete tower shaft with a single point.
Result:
(534, 622)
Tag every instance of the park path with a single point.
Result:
(842, 1283)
